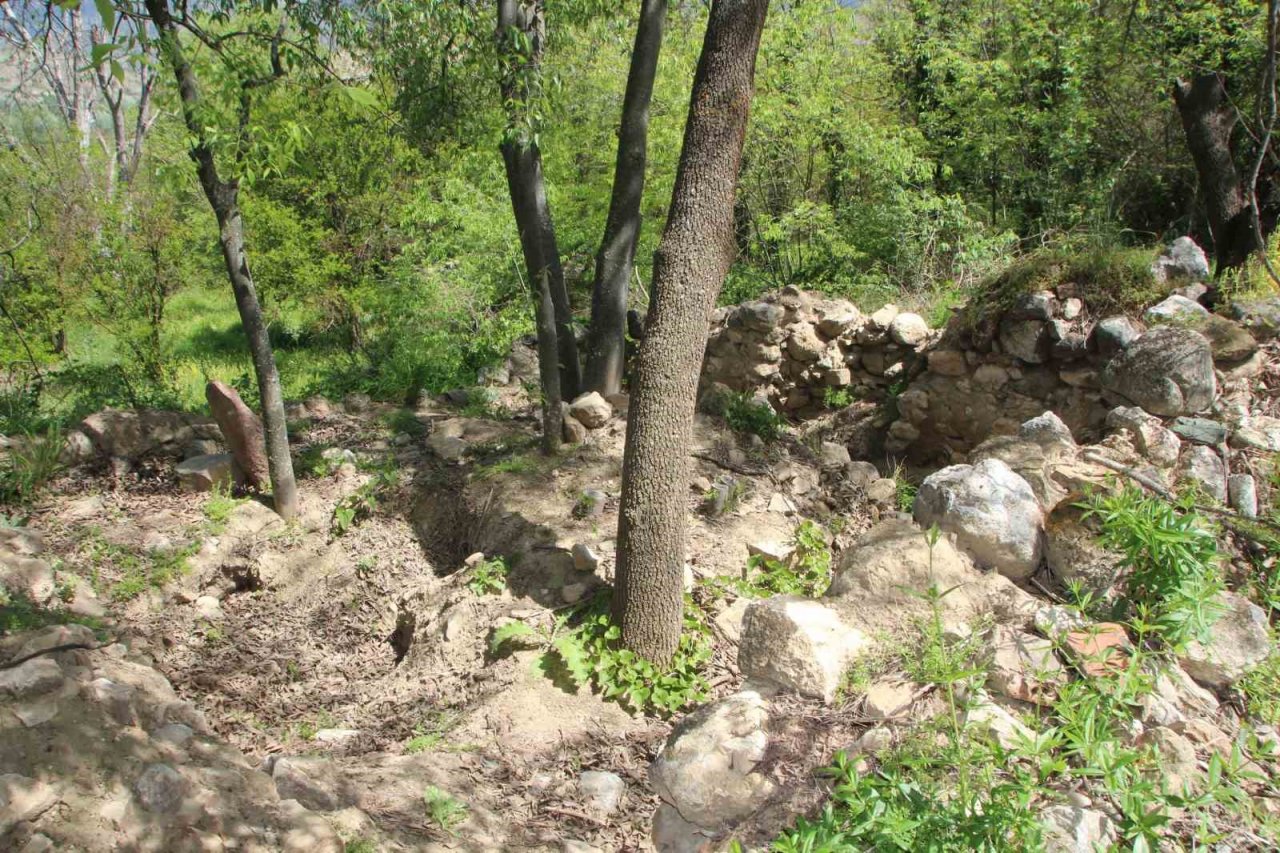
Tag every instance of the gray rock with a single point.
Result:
(1021, 666)
(602, 790)
(1175, 308)
(22, 541)
(204, 473)
(1074, 554)
(1072, 308)
(1168, 371)
(1026, 340)
(1114, 334)
(1199, 430)
(1239, 641)
(1034, 306)
(1260, 316)
(30, 576)
(572, 430)
(798, 644)
(174, 733)
(591, 410)
(584, 559)
(242, 431)
(861, 473)
(707, 769)
(886, 700)
(804, 345)
(757, 316)
(591, 503)
(833, 456)
(23, 799)
(1181, 262)
(33, 678)
(908, 329)
(1242, 494)
(729, 620)
(1071, 829)
(882, 490)
(995, 722)
(294, 784)
(160, 789)
(77, 449)
(673, 834)
(1149, 434)
(116, 699)
(991, 510)
(1203, 467)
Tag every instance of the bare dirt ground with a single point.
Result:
(365, 655)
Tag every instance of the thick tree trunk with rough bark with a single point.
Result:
(1208, 119)
(532, 211)
(693, 258)
(606, 343)
(223, 197)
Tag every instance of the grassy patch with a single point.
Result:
(19, 613)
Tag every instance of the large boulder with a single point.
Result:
(1238, 641)
(991, 510)
(1035, 453)
(204, 473)
(1182, 262)
(798, 644)
(1114, 334)
(1168, 371)
(242, 430)
(707, 769)
(134, 434)
(591, 410)
(879, 582)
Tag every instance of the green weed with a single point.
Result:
(806, 571)
(218, 508)
(489, 577)
(443, 809)
(748, 416)
(31, 462)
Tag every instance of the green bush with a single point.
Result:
(32, 460)
(750, 416)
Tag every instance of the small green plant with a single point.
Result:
(904, 495)
(583, 647)
(406, 422)
(749, 416)
(360, 845)
(443, 809)
(1170, 555)
(480, 404)
(724, 497)
(489, 577)
(319, 460)
(32, 461)
(429, 735)
(218, 508)
(837, 398)
(1261, 690)
(806, 571)
(361, 503)
(141, 571)
(20, 613)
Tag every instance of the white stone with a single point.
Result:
(602, 790)
(1071, 829)
(591, 410)
(33, 678)
(1238, 641)
(909, 329)
(584, 559)
(798, 644)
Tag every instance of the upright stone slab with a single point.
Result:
(242, 430)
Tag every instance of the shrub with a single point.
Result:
(750, 416)
(33, 460)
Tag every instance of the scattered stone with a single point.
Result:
(117, 699)
(1022, 666)
(983, 715)
(770, 549)
(591, 410)
(22, 541)
(572, 431)
(1026, 340)
(242, 431)
(160, 789)
(1199, 430)
(1071, 829)
(883, 491)
(909, 329)
(1203, 466)
(1168, 371)
(33, 678)
(991, 510)
(23, 799)
(1151, 438)
(1175, 308)
(1073, 553)
(30, 576)
(833, 456)
(174, 733)
(1113, 335)
(209, 608)
(602, 790)
(875, 740)
(1238, 641)
(1072, 308)
(1260, 316)
(707, 769)
(336, 736)
(1179, 767)
(1099, 649)
(673, 834)
(1242, 493)
(308, 832)
(450, 448)
(798, 644)
(590, 503)
(1057, 622)
(584, 559)
(861, 473)
(204, 473)
(294, 784)
(1230, 343)
(885, 700)
(729, 620)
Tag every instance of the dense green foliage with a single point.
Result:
(902, 150)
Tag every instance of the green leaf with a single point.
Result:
(506, 633)
(100, 52)
(576, 661)
(361, 97)
(106, 11)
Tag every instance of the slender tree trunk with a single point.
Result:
(606, 344)
(520, 71)
(1208, 118)
(524, 202)
(693, 258)
(223, 197)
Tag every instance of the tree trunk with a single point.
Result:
(524, 202)
(693, 258)
(533, 212)
(223, 197)
(606, 344)
(1208, 118)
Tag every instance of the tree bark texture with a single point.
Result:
(223, 197)
(693, 258)
(1208, 119)
(606, 342)
(520, 68)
